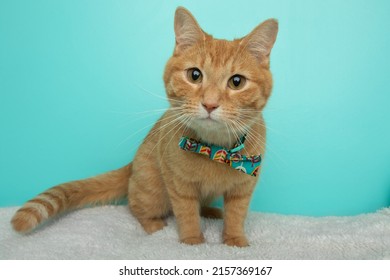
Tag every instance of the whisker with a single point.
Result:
(268, 127)
(260, 138)
(147, 115)
(228, 130)
(240, 130)
(161, 138)
(232, 126)
(136, 113)
(158, 96)
(183, 123)
(146, 127)
(175, 118)
(131, 121)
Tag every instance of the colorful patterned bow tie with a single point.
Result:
(248, 165)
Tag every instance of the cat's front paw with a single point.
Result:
(238, 241)
(193, 240)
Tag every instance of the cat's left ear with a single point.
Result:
(187, 29)
(261, 40)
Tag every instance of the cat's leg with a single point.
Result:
(152, 225)
(149, 202)
(236, 204)
(186, 207)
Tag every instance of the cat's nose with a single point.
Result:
(210, 106)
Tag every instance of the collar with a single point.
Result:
(247, 164)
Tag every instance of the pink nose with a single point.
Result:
(210, 107)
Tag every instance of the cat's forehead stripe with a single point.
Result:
(218, 55)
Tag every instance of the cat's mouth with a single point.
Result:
(210, 119)
(209, 122)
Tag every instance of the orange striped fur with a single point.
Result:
(204, 104)
(100, 189)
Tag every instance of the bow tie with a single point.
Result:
(247, 164)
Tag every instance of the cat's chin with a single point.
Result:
(208, 124)
(213, 132)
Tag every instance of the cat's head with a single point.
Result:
(219, 84)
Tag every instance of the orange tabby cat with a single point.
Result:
(217, 90)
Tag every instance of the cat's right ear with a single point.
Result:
(187, 29)
(261, 40)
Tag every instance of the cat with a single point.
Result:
(217, 90)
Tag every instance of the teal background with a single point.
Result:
(77, 77)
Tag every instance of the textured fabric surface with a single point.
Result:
(111, 232)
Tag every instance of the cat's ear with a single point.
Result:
(187, 29)
(261, 40)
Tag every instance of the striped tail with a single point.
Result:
(101, 189)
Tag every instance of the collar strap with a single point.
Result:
(247, 164)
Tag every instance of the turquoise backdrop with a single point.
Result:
(81, 84)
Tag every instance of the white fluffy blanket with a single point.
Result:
(111, 232)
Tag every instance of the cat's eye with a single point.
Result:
(194, 75)
(236, 82)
